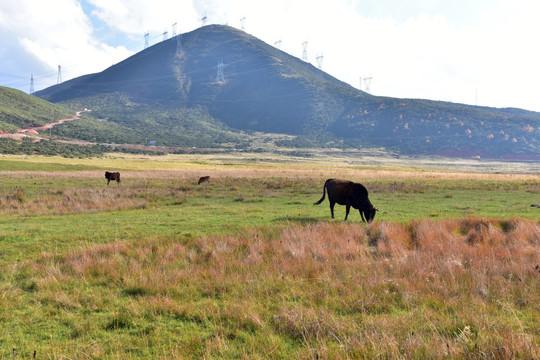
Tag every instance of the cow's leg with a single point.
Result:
(332, 208)
(362, 215)
(108, 181)
(347, 209)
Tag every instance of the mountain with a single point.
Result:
(217, 85)
(19, 110)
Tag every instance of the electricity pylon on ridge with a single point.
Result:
(146, 39)
(204, 19)
(304, 51)
(220, 76)
(178, 44)
(59, 77)
(367, 83)
(319, 59)
(31, 83)
(242, 26)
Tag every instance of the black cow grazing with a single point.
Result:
(349, 194)
(203, 179)
(112, 176)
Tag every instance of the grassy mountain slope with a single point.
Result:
(205, 87)
(20, 110)
(430, 127)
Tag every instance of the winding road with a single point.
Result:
(33, 131)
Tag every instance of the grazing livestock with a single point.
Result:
(349, 194)
(203, 179)
(112, 176)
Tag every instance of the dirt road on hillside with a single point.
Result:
(33, 131)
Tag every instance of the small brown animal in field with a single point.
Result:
(203, 179)
(112, 176)
(349, 194)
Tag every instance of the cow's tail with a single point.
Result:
(323, 194)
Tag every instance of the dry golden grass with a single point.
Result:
(458, 289)
(262, 171)
(75, 200)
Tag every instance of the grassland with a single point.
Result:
(246, 267)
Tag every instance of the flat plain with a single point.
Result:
(245, 266)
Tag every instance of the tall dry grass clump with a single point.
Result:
(136, 195)
(460, 289)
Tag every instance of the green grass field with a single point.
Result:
(245, 266)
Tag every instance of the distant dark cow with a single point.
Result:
(349, 194)
(203, 179)
(112, 176)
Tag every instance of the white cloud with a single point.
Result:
(421, 48)
(135, 17)
(57, 32)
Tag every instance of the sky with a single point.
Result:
(477, 52)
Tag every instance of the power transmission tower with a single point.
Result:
(178, 44)
(165, 33)
(242, 21)
(367, 82)
(304, 51)
(146, 39)
(204, 19)
(319, 60)
(59, 78)
(220, 77)
(173, 30)
(31, 83)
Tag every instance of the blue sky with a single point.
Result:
(480, 52)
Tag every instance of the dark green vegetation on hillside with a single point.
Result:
(247, 267)
(179, 100)
(116, 119)
(51, 148)
(19, 110)
(27, 147)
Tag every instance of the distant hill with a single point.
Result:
(19, 110)
(214, 85)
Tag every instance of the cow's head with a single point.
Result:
(370, 214)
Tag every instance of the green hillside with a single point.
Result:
(19, 110)
(213, 85)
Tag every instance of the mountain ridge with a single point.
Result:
(261, 88)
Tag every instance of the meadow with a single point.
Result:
(245, 266)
